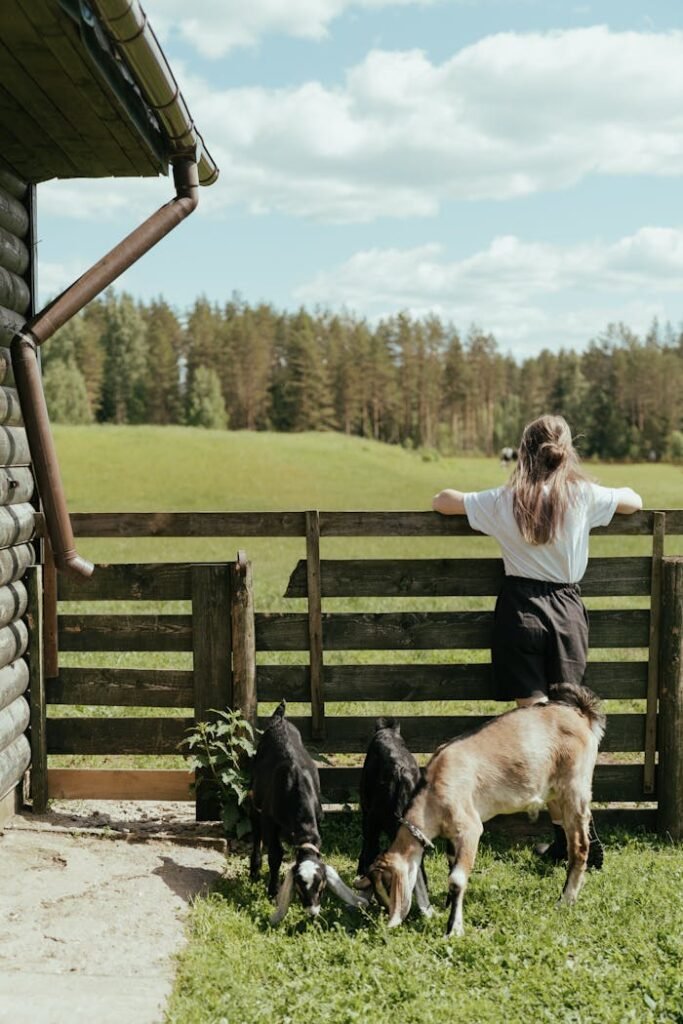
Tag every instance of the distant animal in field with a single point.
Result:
(390, 774)
(286, 806)
(508, 456)
(519, 761)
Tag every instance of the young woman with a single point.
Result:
(541, 519)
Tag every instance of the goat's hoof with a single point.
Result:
(362, 882)
(427, 912)
(455, 932)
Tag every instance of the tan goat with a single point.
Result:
(523, 760)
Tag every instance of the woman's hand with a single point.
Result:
(449, 503)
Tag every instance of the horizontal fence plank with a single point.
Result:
(125, 784)
(629, 818)
(124, 633)
(116, 735)
(189, 524)
(423, 733)
(332, 524)
(124, 687)
(120, 582)
(288, 631)
(610, 680)
(457, 577)
(611, 782)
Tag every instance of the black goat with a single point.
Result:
(389, 777)
(286, 806)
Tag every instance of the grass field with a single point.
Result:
(616, 957)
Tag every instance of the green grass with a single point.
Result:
(616, 956)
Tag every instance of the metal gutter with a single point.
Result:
(129, 29)
(42, 325)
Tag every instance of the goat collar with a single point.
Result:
(308, 846)
(426, 844)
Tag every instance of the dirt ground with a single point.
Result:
(93, 904)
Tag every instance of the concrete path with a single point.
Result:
(93, 905)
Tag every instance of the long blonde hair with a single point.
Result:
(547, 467)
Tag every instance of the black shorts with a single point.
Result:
(540, 637)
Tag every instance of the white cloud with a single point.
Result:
(226, 24)
(510, 115)
(529, 294)
(53, 278)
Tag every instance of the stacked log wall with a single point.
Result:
(17, 513)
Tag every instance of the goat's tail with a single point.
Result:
(585, 701)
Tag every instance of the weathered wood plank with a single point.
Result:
(125, 633)
(14, 292)
(315, 624)
(620, 783)
(50, 618)
(332, 524)
(13, 601)
(188, 524)
(282, 631)
(17, 523)
(14, 562)
(5, 358)
(654, 650)
(11, 183)
(13, 213)
(119, 582)
(423, 733)
(14, 254)
(10, 323)
(243, 643)
(37, 690)
(13, 681)
(14, 760)
(16, 485)
(14, 721)
(13, 642)
(125, 784)
(14, 449)
(124, 687)
(670, 727)
(116, 735)
(610, 680)
(456, 577)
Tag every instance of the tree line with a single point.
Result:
(416, 382)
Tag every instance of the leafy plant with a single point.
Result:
(221, 750)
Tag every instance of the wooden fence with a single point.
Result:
(224, 635)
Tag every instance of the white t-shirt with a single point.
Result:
(563, 561)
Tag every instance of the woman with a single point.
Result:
(541, 519)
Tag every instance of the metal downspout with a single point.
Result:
(43, 325)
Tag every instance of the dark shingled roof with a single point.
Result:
(70, 105)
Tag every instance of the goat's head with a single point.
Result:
(393, 879)
(309, 876)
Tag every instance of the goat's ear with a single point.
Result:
(284, 897)
(399, 897)
(353, 899)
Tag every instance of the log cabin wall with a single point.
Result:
(17, 513)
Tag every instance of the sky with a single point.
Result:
(513, 164)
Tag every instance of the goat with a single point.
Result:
(285, 789)
(390, 774)
(518, 761)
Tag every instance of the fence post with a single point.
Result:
(658, 532)
(211, 645)
(243, 639)
(315, 625)
(670, 772)
(34, 615)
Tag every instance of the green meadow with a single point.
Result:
(617, 956)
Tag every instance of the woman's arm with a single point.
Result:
(449, 503)
(628, 500)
